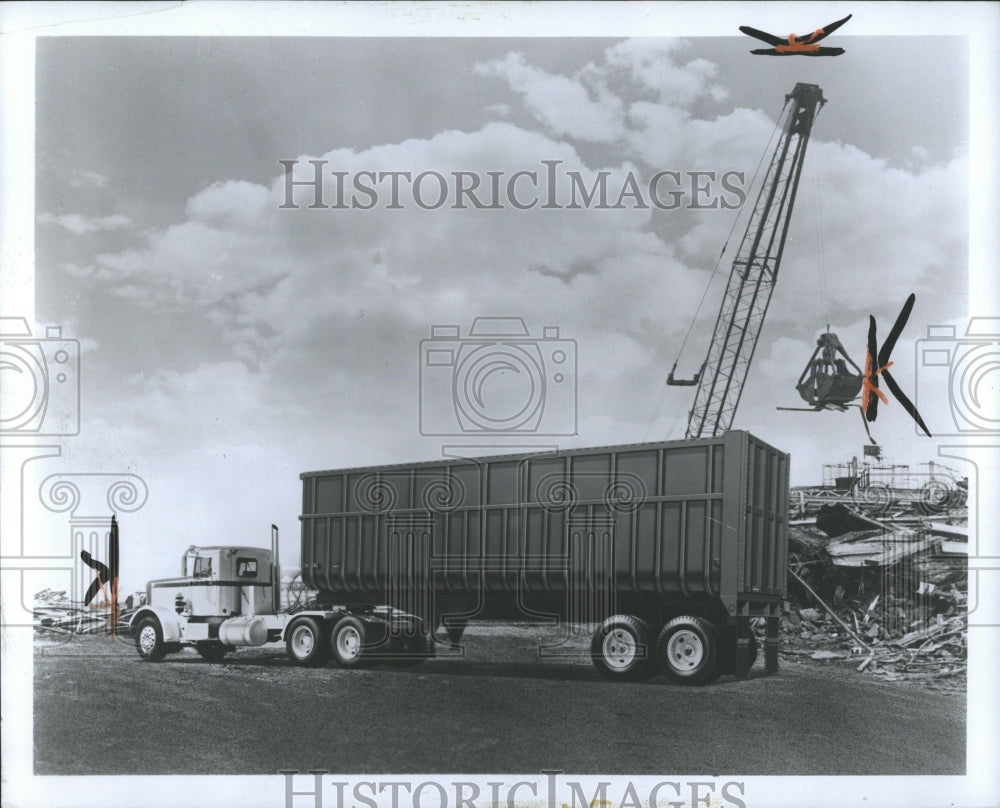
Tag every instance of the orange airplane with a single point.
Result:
(796, 45)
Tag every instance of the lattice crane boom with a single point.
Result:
(753, 274)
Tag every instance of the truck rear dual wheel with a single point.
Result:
(621, 649)
(347, 641)
(687, 650)
(306, 643)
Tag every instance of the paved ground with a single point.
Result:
(99, 709)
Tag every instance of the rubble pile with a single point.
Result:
(887, 596)
(56, 614)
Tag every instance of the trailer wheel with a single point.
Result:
(305, 643)
(149, 640)
(347, 641)
(686, 650)
(621, 648)
(212, 650)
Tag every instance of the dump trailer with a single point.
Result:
(668, 550)
(664, 551)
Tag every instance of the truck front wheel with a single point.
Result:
(149, 640)
(621, 648)
(305, 643)
(686, 650)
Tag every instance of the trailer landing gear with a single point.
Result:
(771, 644)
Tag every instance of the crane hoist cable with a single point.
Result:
(754, 272)
(729, 235)
(820, 250)
(715, 269)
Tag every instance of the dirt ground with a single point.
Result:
(498, 707)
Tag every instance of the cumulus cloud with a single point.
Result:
(639, 97)
(83, 179)
(579, 106)
(321, 312)
(81, 225)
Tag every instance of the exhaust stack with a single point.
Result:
(275, 572)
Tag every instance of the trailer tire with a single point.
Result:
(212, 650)
(306, 643)
(347, 641)
(149, 640)
(621, 648)
(687, 649)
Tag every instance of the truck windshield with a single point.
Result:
(202, 567)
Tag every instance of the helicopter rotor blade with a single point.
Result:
(907, 404)
(897, 329)
(763, 36)
(829, 29)
(869, 398)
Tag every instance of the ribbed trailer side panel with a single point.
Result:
(667, 519)
(765, 509)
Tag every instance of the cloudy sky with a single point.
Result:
(229, 344)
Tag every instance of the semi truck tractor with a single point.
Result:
(665, 553)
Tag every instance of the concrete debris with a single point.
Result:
(954, 537)
(949, 531)
(877, 547)
(55, 613)
(888, 596)
(838, 519)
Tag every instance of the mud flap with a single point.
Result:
(454, 628)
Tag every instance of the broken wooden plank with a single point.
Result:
(949, 531)
(830, 611)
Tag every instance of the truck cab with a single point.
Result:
(225, 597)
(218, 582)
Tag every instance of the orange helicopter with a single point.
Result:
(795, 45)
(831, 380)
